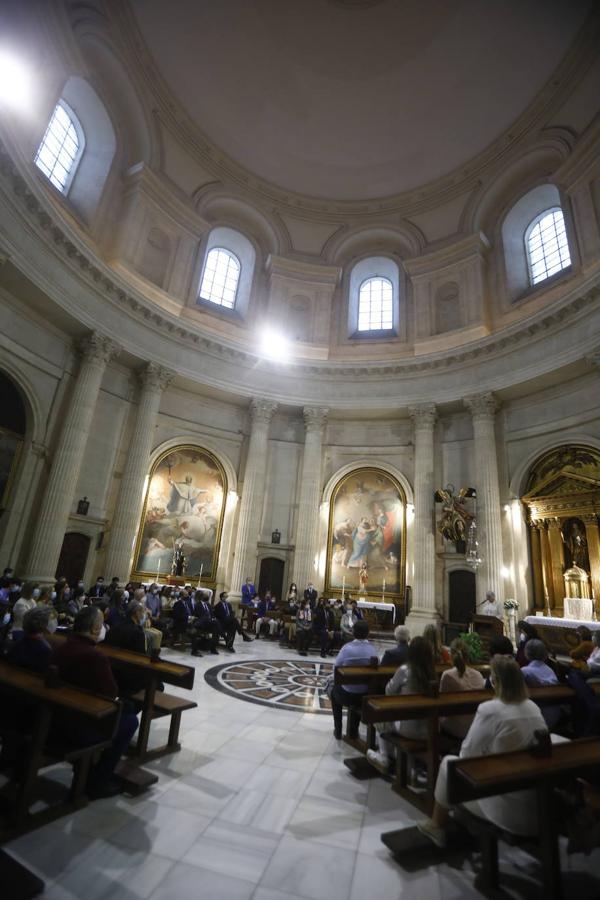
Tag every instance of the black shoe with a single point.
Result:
(196, 653)
(302, 653)
(109, 788)
(337, 734)
(323, 654)
(247, 638)
(214, 651)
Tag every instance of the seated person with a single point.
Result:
(507, 723)
(323, 625)
(347, 623)
(527, 632)
(292, 611)
(183, 608)
(414, 677)
(594, 657)
(26, 602)
(461, 677)
(441, 654)
(396, 656)
(537, 673)
(580, 654)
(32, 650)
(304, 627)
(248, 593)
(230, 624)
(359, 652)
(81, 664)
(129, 634)
(116, 608)
(265, 606)
(76, 601)
(205, 625)
(499, 645)
(152, 633)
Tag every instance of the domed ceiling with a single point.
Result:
(355, 99)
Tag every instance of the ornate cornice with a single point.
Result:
(62, 240)
(261, 411)
(593, 359)
(154, 377)
(423, 415)
(315, 418)
(140, 63)
(482, 406)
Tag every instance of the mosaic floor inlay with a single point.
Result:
(285, 684)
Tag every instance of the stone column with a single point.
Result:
(423, 610)
(489, 515)
(53, 515)
(126, 516)
(592, 530)
(546, 568)
(556, 557)
(251, 506)
(307, 528)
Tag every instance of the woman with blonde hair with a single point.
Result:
(461, 677)
(441, 654)
(506, 723)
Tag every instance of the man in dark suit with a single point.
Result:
(311, 594)
(129, 634)
(97, 590)
(396, 656)
(206, 625)
(231, 626)
(183, 608)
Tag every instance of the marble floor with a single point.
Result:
(257, 804)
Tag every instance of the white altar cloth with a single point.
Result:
(578, 608)
(387, 607)
(554, 621)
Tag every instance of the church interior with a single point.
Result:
(299, 361)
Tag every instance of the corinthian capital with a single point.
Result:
(593, 359)
(153, 377)
(95, 347)
(315, 417)
(482, 406)
(261, 411)
(423, 415)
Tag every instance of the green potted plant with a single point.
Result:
(475, 645)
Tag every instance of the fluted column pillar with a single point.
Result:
(307, 528)
(423, 610)
(53, 514)
(126, 517)
(489, 516)
(251, 506)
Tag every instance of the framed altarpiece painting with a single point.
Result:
(366, 544)
(183, 510)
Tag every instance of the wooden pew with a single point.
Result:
(30, 688)
(153, 704)
(400, 707)
(472, 779)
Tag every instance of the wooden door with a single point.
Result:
(271, 576)
(73, 557)
(461, 595)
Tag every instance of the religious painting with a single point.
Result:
(367, 536)
(182, 519)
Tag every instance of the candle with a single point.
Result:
(158, 573)
(383, 592)
(200, 575)
(343, 585)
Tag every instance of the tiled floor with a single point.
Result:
(256, 805)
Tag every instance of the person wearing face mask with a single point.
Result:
(129, 634)
(81, 664)
(32, 650)
(97, 590)
(23, 605)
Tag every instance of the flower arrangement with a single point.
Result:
(475, 645)
(510, 604)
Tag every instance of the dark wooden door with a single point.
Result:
(73, 557)
(461, 595)
(271, 576)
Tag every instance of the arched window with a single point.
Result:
(61, 148)
(220, 277)
(547, 245)
(375, 304)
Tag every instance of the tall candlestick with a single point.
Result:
(158, 573)
(343, 586)
(200, 575)
(383, 592)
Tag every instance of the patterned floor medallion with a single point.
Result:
(285, 684)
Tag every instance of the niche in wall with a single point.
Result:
(448, 316)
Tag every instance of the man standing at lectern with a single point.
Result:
(491, 606)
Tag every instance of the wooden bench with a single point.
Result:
(480, 777)
(152, 703)
(402, 707)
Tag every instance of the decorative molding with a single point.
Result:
(424, 415)
(593, 359)
(482, 406)
(97, 348)
(261, 411)
(315, 418)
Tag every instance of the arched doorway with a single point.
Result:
(73, 557)
(13, 423)
(271, 576)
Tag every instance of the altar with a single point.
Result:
(559, 634)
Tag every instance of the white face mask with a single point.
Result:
(35, 593)
(102, 635)
(5, 619)
(52, 625)
(522, 636)
(125, 595)
(53, 595)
